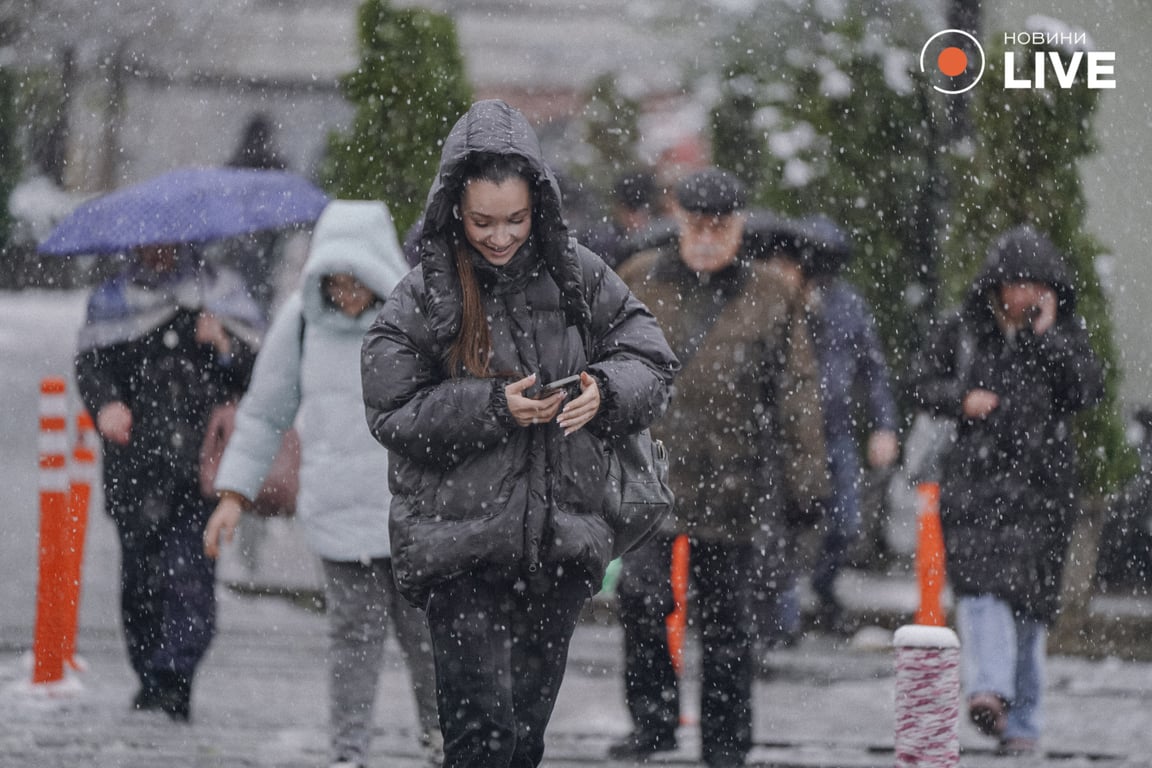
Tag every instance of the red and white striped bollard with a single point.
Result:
(927, 697)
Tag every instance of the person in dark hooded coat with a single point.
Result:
(498, 520)
(162, 343)
(1012, 367)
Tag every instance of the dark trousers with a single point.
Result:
(720, 572)
(500, 648)
(167, 586)
(644, 601)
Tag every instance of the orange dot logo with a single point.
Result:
(959, 61)
(952, 61)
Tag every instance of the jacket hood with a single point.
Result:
(1023, 254)
(493, 127)
(355, 237)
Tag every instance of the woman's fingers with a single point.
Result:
(518, 387)
(582, 409)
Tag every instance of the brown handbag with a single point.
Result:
(277, 497)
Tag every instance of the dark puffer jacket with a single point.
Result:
(1009, 484)
(471, 488)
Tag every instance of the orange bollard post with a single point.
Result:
(82, 476)
(678, 619)
(930, 564)
(47, 641)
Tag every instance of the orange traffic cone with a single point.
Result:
(83, 476)
(930, 569)
(678, 619)
(48, 634)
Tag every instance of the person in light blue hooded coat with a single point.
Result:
(307, 375)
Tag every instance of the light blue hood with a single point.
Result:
(355, 237)
(309, 374)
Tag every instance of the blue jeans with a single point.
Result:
(842, 521)
(1004, 654)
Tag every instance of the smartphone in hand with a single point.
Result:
(569, 383)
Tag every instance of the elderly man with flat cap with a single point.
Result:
(745, 433)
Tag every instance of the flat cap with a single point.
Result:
(635, 190)
(712, 190)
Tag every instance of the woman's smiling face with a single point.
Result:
(497, 217)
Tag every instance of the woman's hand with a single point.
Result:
(581, 410)
(114, 422)
(222, 525)
(1044, 315)
(527, 411)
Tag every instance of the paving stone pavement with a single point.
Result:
(260, 701)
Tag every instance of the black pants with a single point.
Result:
(501, 648)
(167, 586)
(644, 601)
(720, 572)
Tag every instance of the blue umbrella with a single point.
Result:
(192, 205)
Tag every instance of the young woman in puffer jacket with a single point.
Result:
(498, 523)
(307, 374)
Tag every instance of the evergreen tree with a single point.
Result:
(409, 89)
(610, 120)
(10, 162)
(819, 114)
(822, 109)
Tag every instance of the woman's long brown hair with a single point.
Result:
(471, 350)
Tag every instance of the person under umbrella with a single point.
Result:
(162, 343)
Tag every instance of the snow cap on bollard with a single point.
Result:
(924, 636)
(927, 697)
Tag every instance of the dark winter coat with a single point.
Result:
(471, 489)
(168, 381)
(1008, 489)
(852, 362)
(745, 424)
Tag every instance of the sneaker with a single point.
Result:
(640, 745)
(1016, 747)
(988, 713)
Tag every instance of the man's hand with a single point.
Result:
(978, 403)
(882, 448)
(114, 422)
(209, 330)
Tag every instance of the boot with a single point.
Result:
(175, 695)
